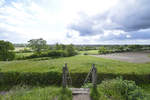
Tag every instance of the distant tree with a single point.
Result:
(6, 50)
(135, 47)
(60, 46)
(102, 50)
(121, 48)
(37, 44)
(57, 47)
(70, 50)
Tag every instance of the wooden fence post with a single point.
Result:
(64, 83)
(94, 75)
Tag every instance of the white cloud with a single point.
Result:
(21, 20)
(2, 2)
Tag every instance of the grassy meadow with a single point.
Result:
(78, 65)
(89, 52)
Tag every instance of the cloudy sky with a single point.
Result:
(76, 21)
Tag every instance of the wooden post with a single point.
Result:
(94, 75)
(64, 81)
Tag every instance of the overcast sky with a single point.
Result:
(76, 21)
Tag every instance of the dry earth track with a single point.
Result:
(133, 57)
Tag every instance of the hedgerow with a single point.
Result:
(55, 78)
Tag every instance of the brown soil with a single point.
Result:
(134, 57)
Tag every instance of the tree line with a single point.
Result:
(39, 47)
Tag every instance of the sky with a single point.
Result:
(76, 21)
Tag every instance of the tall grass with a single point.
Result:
(36, 93)
(78, 64)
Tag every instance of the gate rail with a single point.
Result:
(66, 77)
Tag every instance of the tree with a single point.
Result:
(59, 47)
(70, 50)
(37, 44)
(102, 50)
(135, 47)
(6, 50)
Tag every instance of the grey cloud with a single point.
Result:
(134, 35)
(84, 26)
(128, 15)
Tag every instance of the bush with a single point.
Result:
(55, 78)
(57, 53)
(103, 50)
(53, 54)
(65, 94)
(11, 56)
(6, 50)
(25, 50)
(85, 53)
(118, 89)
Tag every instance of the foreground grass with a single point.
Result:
(38, 93)
(118, 89)
(79, 63)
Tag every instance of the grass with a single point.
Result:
(79, 63)
(21, 55)
(37, 93)
(89, 52)
(76, 64)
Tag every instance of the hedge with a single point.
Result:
(55, 78)
(52, 54)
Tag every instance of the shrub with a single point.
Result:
(65, 94)
(52, 53)
(6, 52)
(119, 89)
(11, 55)
(85, 53)
(57, 53)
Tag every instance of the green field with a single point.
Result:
(79, 63)
(79, 66)
(90, 52)
(21, 55)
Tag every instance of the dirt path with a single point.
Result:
(134, 57)
(80, 94)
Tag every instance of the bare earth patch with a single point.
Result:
(134, 57)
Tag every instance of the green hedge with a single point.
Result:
(52, 54)
(55, 78)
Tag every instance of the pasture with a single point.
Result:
(89, 52)
(79, 63)
(46, 71)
